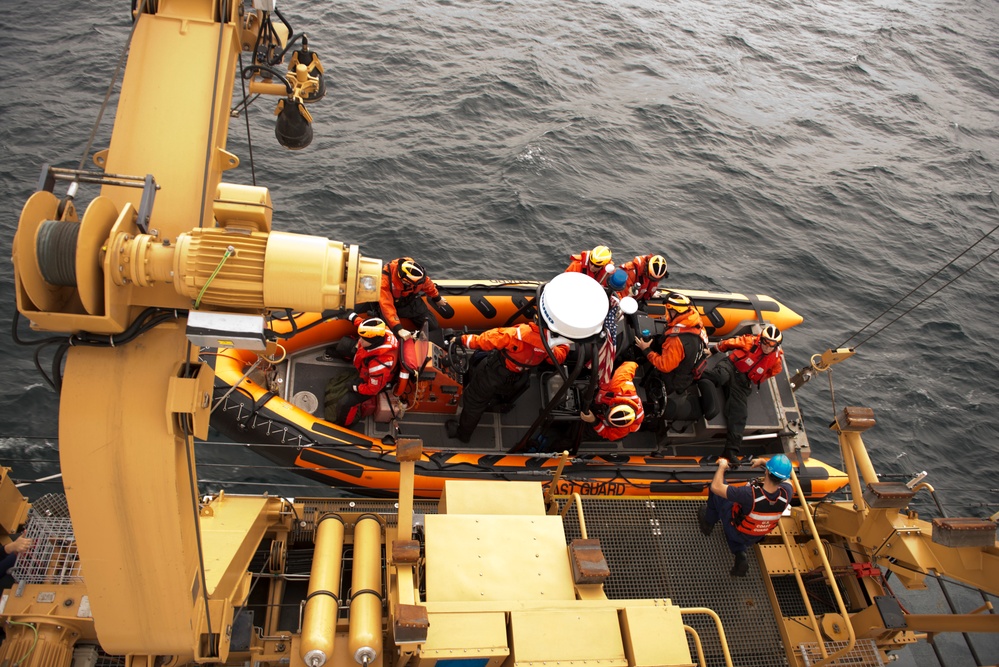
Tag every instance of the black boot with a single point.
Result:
(741, 567)
(453, 431)
(702, 520)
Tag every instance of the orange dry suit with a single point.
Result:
(640, 284)
(521, 346)
(397, 293)
(620, 389)
(682, 352)
(500, 376)
(581, 264)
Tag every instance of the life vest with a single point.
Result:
(694, 360)
(754, 363)
(581, 264)
(376, 365)
(761, 518)
(640, 285)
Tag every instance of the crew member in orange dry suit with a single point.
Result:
(375, 360)
(752, 360)
(404, 282)
(682, 346)
(595, 263)
(512, 351)
(644, 273)
(617, 405)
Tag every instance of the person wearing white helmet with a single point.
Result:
(752, 359)
(747, 512)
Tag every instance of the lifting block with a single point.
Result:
(405, 551)
(856, 420)
(588, 563)
(887, 495)
(411, 624)
(964, 532)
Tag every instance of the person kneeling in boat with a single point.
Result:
(747, 513)
(595, 263)
(375, 360)
(404, 283)
(512, 351)
(753, 359)
(644, 273)
(617, 409)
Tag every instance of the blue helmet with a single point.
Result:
(779, 466)
(617, 280)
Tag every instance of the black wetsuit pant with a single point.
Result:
(491, 379)
(737, 388)
(414, 308)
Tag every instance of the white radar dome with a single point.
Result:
(574, 305)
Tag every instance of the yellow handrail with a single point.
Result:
(718, 625)
(807, 511)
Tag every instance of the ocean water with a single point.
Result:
(833, 155)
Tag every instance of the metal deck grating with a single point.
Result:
(864, 654)
(655, 550)
(819, 594)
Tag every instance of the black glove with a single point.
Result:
(355, 388)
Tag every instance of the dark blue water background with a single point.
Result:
(831, 154)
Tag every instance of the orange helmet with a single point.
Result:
(600, 256)
(621, 414)
(373, 327)
(411, 271)
(657, 267)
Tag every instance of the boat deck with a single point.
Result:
(771, 410)
(654, 549)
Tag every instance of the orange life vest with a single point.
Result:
(755, 364)
(761, 518)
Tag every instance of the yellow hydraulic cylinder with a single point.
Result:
(323, 604)
(365, 633)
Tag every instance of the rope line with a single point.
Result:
(918, 287)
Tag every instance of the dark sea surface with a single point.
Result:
(832, 155)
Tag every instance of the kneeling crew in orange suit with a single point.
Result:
(618, 405)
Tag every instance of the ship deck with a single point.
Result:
(654, 549)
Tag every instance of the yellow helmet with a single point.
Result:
(657, 267)
(410, 269)
(771, 335)
(621, 414)
(373, 327)
(681, 303)
(600, 256)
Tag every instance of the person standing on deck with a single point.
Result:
(752, 360)
(644, 273)
(747, 513)
(404, 283)
(512, 351)
(618, 407)
(595, 263)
